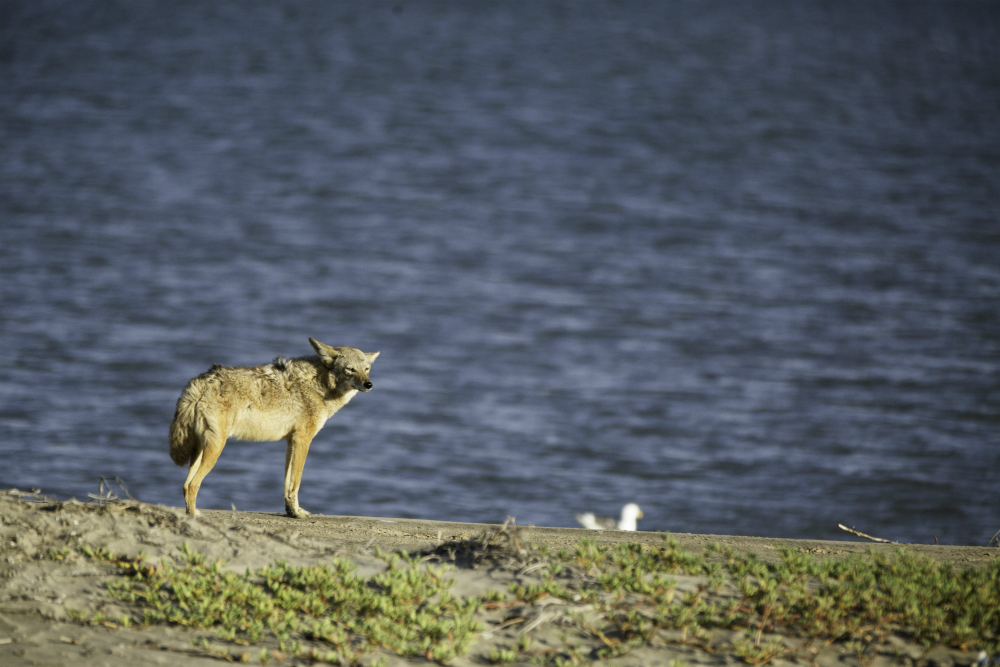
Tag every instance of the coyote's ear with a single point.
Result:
(326, 353)
(371, 356)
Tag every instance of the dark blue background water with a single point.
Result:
(736, 262)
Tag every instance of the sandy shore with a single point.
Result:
(37, 589)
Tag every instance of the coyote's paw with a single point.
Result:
(297, 512)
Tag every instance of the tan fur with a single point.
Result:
(289, 399)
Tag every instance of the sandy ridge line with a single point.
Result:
(414, 534)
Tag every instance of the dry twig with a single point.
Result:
(105, 494)
(994, 539)
(867, 537)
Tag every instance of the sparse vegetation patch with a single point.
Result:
(574, 606)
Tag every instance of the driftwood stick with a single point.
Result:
(867, 537)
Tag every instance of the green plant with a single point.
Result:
(408, 609)
(500, 656)
(629, 593)
(754, 652)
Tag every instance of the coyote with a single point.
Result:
(287, 399)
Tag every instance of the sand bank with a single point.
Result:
(46, 579)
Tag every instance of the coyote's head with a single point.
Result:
(348, 365)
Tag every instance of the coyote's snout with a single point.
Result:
(288, 399)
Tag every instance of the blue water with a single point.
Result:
(738, 262)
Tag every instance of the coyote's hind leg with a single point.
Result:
(201, 464)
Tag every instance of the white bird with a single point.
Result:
(630, 513)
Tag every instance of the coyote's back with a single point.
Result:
(287, 399)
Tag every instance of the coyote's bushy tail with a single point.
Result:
(184, 429)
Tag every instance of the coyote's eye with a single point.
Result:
(349, 369)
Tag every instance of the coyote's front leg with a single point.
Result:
(295, 460)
